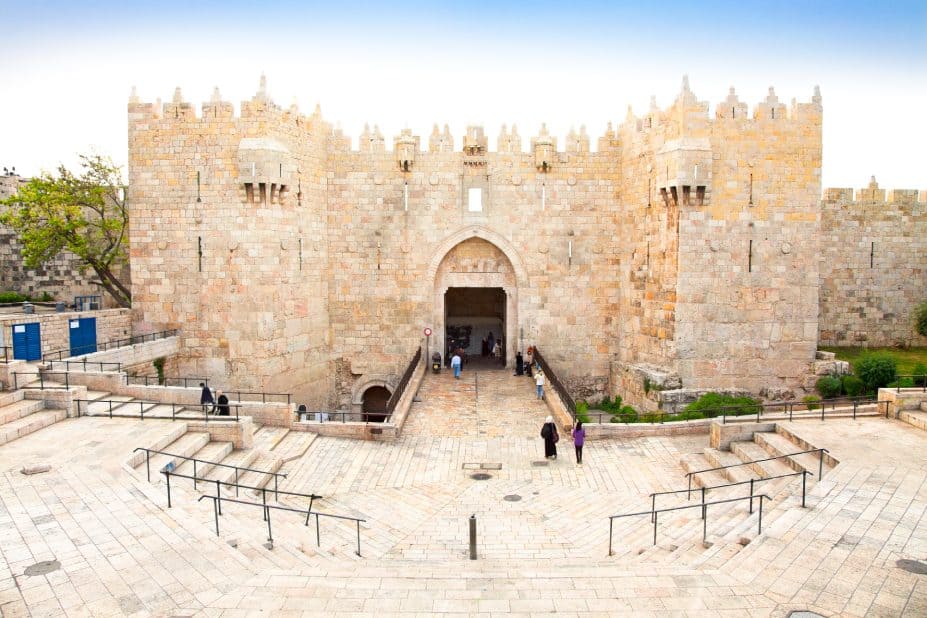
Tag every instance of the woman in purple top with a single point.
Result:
(579, 436)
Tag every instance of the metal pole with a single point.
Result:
(821, 464)
(751, 497)
(704, 523)
(270, 536)
(168, 475)
(236, 482)
(611, 523)
(215, 513)
(264, 500)
(854, 409)
(318, 538)
(655, 528)
(194, 475)
(689, 492)
(219, 496)
(703, 494)
(760, 530)
(147, 464)
(358, 538)
(473, 537)
(276, 496)
(804, 476)
(653, 505)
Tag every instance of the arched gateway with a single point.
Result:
(476, 274)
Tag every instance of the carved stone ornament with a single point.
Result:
(786, 248)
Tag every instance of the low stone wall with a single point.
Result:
(901, 400)
(240, 434)
(405, 403)
(721, 435)
(137, 355)
(59, 398)
(112, 325)
(596, 431)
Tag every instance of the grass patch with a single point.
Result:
(907, 359)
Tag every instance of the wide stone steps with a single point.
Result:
(294, 445)
(19, 409)
(736, 472)
(777, 444)
(267, 437)
(752, 452)
(264, 463)
(915, 418)
(692, 462)
(243, 458)
(29, 424)
(209, 455)
(102, 407)
(184, 446)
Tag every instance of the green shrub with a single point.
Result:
(715, 404)
(852, 386)
(920, 319)
(159, 367)
(46, 297)
(582, 411)
(829, 387)
(920, 374)
(12, 297)
(901, 383)
(876, 370)
(812, 402)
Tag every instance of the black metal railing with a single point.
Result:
(742, 412)
(751, 482)
(264, 397)
(704, 506)
(819, 451)
(917, 380)
(109, 345)
(149, 451)
(554, 381)
(185, 409)
(85, 365)
(166, 381)
(7, 353)
(403, 383)
(30, 384)
(217, 511)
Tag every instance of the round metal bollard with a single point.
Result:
(473, 537)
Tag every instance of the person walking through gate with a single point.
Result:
(455, 365)
(222, 403)
(539, 382)
(579, 436)
(206, 400)
(551, 437)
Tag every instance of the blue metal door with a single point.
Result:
(83, 335)
(27, 341)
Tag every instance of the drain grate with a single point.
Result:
(42, 568)
(512, 498)
(481, 476)
(538, 464)
(912, 566)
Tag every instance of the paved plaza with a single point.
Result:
(115, 549)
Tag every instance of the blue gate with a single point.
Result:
(83, 335)
(27, 341)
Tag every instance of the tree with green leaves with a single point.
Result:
(920, 319)
(85, 214)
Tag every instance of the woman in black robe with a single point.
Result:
(550, 435)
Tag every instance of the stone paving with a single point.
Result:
(121, 552)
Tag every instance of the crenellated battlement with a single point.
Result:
(873, 194)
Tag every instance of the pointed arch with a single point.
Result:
(477, 231)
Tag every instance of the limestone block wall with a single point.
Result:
(233, 253)
(112, 324)
(873, 266)
(747, 306)
(61, 277)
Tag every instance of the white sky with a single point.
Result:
(67, 75)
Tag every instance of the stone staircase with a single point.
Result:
(916, 418)
(730, 526)
(20, 416)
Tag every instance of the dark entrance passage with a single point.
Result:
(374, 406)
(475, 317)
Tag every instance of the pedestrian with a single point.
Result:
(529, 361)
(519, 363)
(222, 403)
(579, 436)
(497, 351)
(484, 348)
(206, 400)
(455, 365)
(539, 381)
(490, 341)
(551, 437)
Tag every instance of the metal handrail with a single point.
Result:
(167, 379)
(41, 377)
(724, 412)
(84, 363)
(217, 510)
(263, 395)
(555, 382)
(221, 418)
(323, 417)
(704, 506)
(148, 452)
(6, 352)
(202, 479)
(704, 489)
(820, 451)
(914, 377)
(403, 383)
(118, 343)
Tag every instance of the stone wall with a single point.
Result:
(292, 262)
(873, 266)
(61, 277)
(112, 325)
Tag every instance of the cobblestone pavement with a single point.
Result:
(122, 552)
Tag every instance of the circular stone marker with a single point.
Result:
(42, 568)
(512, 498)
(481, 476)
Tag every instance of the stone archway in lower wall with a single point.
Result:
(473, 258)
